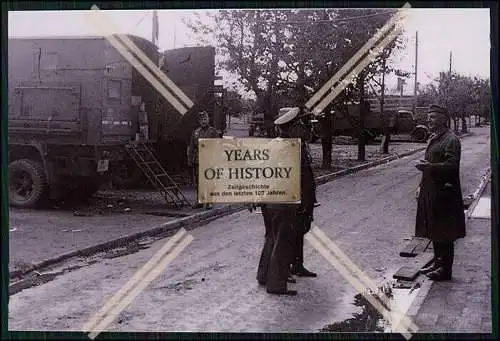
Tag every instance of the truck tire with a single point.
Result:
(27, 183)
(420, 135)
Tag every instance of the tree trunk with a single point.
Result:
(326, 139)
(362, 116)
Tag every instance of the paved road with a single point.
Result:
(211, 286)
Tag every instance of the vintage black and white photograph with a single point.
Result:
(277, 170)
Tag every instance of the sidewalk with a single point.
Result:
(464, 304)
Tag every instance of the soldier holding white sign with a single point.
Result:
(286, 223)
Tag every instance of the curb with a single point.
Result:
(486, 178)
(195, 220)
(329, 177)
(419, 299)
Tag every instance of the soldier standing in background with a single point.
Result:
(201, 132)
(143, 123)
(440, 210)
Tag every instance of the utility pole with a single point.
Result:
(174, 31)
(449, 71)
(154, 38)
(416, 69)
(447, 96)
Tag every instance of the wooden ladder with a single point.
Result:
(148, 163)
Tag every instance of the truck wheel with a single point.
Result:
(27, 183)
(420, 135)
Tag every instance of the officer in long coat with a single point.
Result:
(440, 210)
(201, 132)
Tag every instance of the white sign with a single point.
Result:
(249, 170)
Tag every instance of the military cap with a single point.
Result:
(438, 109)
(287, 115)
(202, 113)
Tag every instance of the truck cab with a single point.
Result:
(408, 123)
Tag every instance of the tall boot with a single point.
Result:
(450, 255)
(434, 265)
(443, 271)
(298, 266)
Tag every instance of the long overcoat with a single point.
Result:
(440, 209)
(307, 192)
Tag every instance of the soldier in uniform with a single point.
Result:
(440, 211)
(308, 202)
(143, 123)
(282, 222)
(201, 132)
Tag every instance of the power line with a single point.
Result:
(143, 17)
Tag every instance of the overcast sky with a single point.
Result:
(464, 32)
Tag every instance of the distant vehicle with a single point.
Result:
(256, 124)
(259, 126)
(400, 122)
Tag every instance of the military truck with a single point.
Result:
(256, 124)
(73, 104)
(400, 121)
(192, 69)
(69, 113)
